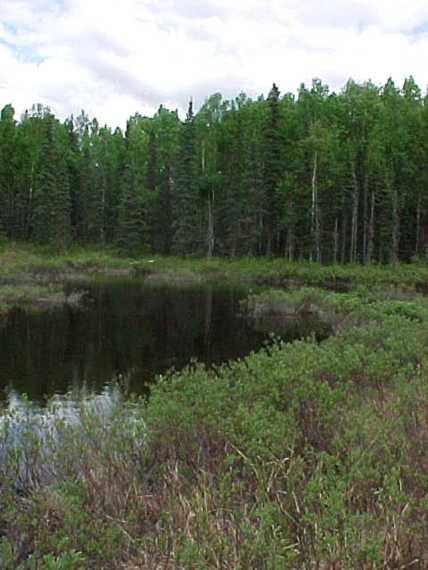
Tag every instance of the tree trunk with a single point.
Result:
(395, 237)
(354, 223)
(335, 240)
(365, 215)
(418, 225)
(289, 250)
(315, 221)
(269, 244)
(343, 231)
(208, 319)
(203, 157)
(210, 226)
(371, 230)
(103, 216)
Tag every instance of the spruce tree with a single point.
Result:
(151, 182)
(186, 237)
(162, 213)
(8, 170)
(235, 202)
(113, 168)
(273, 167)
(51, 213)
(130, 229)
(131, 221)
(252, 202)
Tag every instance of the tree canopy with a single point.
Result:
(323, 176)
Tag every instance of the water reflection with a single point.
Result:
(33, 437)
(124, 327)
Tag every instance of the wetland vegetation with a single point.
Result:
(302, 454)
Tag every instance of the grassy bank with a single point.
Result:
(35, 276)
(302, 455)
(20, 262)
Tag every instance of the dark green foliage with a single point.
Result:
(162, 150)
(235, 203)
(273, 167)
(51, 224)
(186, 237)
(158, 183)
(161, 214)
(251, 201)
(130, 231)
(113, 152)
(90, 204)
(8, 168)
(152, 163)
(325, 176)
(72, 161)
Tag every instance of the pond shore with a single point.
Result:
(33, 276)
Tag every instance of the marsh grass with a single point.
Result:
(24, 262)
(338, 311)
(35, 277)
(20, 260)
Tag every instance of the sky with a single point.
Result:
(116, 58)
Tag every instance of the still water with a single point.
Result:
(128, 329)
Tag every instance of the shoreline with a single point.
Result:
(35, 277)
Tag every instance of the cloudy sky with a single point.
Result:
(114, 58)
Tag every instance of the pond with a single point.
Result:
(131, 330)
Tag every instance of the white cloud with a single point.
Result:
(114, 59)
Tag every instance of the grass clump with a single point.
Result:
(340, 311)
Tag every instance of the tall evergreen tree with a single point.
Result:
(186, 220)
(51, 213)
(130, 231)
(273, 167)
(165, 126)
(73, 163)
(8, 171)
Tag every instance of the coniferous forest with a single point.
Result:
(321, 176)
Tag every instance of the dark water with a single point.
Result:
(129, 328)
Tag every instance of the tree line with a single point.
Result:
(323, 176)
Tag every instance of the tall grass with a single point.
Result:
(18, 258)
